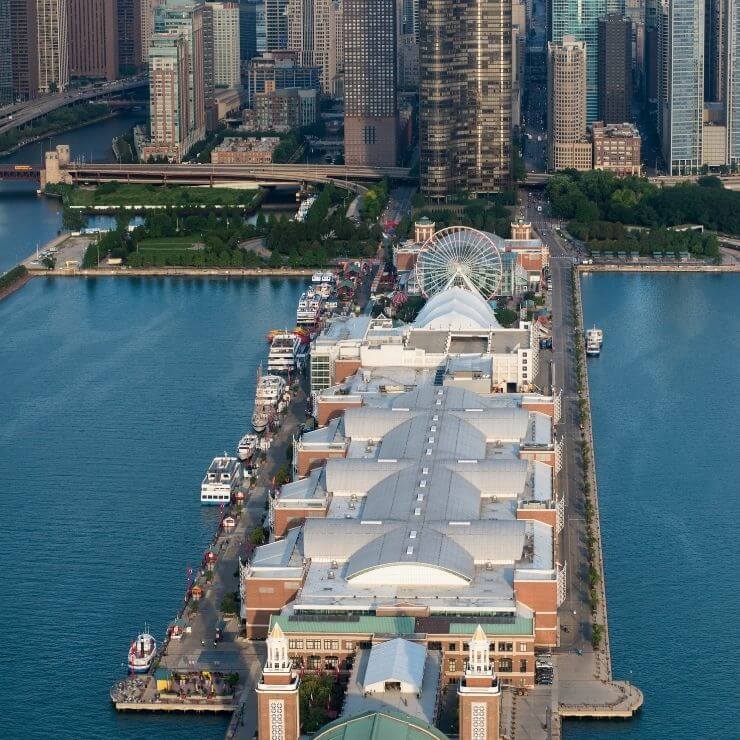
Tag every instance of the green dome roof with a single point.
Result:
(387, 724)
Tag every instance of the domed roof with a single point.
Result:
(457, 309)
(387, 724)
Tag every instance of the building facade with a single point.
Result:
(465, 90)
(581, 21)
(51, 58)
(681, 89)
(279, 70)
(93, 39)
(370, 83)
(129, 22)
(6, 55)
(226, 44)
(615, 68)
(616, 148)
(276, 24)
(169, 98)
(569, 147)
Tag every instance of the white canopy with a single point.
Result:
(396, 661)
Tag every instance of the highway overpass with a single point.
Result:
(21, 114)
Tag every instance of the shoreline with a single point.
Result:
(203, 272)
(673, 267)
(17, 284)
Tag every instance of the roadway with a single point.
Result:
(20, 114)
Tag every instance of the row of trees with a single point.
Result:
(588, 197)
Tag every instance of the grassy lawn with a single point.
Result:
(125, 194)
(170, 243)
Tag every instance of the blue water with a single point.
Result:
(26, 219)
(666, 401)
(115, 395)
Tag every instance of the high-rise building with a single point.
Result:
(715, 49)
(276, 24)
(299, 16)
(169, 99)
(580, 20)
(51, 62)
(130, 48)
(93, 39)
(615, 68)
(247, 29)
(566, 103)
(278, 70)
(653, 14)
(370, 81)
(732, 88)
(681, 88)
(226, 44)
(22, 49)
(328, 44)
(465, 96)
(6, 54)
(146, 27)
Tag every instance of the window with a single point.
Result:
(522, 666)
(522, 647)
(349, 645)
(313, 644)
(451, 665)
(331, 644)
(452, 646)
(504, 665)
(295, 644)
(505, 647)
(368, 134)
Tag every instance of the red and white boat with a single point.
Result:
(141, 653)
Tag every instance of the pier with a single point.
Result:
(195, 654)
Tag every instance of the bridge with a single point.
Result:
(60, 168)
(21, 114)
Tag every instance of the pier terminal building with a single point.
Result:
(417, 544)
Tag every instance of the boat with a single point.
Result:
(309, 309)
(283, 353)
(316, 277)
(142, 652)
(270, 390)
(222, 478)
(247, 446)
(594, 340)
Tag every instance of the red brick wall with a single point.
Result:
(290, 713)
(541, 597)
(344, 368)
(493, 714)
(263, 598)
(544, 408)
(307, 460)
(328, 410)
(286, 519)
(548, 516)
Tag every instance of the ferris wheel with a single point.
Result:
(459, 256)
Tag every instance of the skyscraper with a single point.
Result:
(226, 51)
(51, 62)
(681, 90)
(328, 43)
(93, 39)
(247, 29)
(732, 77)
(464, 96)
(615, 68)
(715, 49)
(370, 105)
(276, 24)
(129, 12)
(6, 55)
(580, 20)
(169, 99)
(566, 103)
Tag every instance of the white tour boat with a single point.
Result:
(222, 478)
(284, 350)
(141, 653)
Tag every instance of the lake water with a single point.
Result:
(115, 396)
(665, 410)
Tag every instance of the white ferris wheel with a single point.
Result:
(459, 256)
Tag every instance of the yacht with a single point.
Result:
(283, 353)
(269, 394)
(247, 446)
(304, 208)
(316, 277)
(594, 340)
(309, 309)
(222, 478)
(141, 653)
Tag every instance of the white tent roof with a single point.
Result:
(395, 660)
(457, 309)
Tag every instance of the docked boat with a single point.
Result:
(594, 340)
(142, 652)
(270, 391)
(283, 353)
(222, 478)
(309, 309)
(247, 446)
(317, 277)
